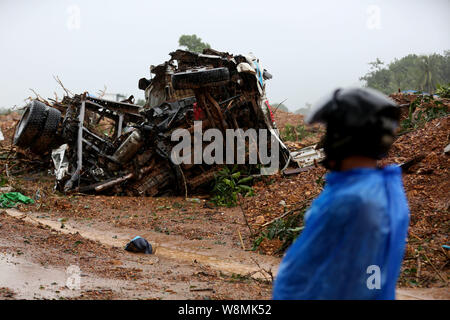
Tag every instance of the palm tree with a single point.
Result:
(428, 67)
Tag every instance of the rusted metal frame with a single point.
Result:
(250, 138)
(113, 182)
(116, 106)
(217, 122)
(97, 137)
(91, 145)
(150, 182)
(229, 99)
(100, 118)
(238, 101)
(80, 137)
(203, 178)
(169, 123)
(77, 174)
(119, 125)
(288, 172)
(108, 112)
(142, 171)
(206, 124)
(201, 100)
(233, 117)
(100, 186)
(100, 153)
(239, 132)
(67, 117)
(257, 110)
(105, 112)
(218, 110)
(252, 97)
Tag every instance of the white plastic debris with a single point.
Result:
(60, 161)
(306, 156)
(447, 149)
(245, 67)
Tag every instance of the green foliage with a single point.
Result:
(411, 72)
(228, 184)
(305, 110)
(279, 106)
(321, 181)
(294, 133)
(5, 111)
(286, 230)
(443, 90)
(418, 116)
(141, 102)
(121, 96)
(193, 43)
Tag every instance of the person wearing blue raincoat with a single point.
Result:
(355, 232)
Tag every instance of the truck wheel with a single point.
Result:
(47, 135)
(199, 78)
(30, 124)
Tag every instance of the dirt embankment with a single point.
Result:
(427, 184)
(283, 118)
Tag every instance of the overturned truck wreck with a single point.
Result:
(99, 145)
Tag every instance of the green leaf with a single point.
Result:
(245, 180)
(228, 182)
(236, 175)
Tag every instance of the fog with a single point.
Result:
(309, 47)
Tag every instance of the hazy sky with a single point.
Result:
(310, 47)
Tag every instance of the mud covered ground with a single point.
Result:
(35, 257)
(202, 251)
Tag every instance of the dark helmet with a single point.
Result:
(359, 121)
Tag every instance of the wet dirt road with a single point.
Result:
(40, 260)
(35, 254)
(226, 260)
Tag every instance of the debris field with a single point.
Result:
(257, 225)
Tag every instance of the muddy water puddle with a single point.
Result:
(29, 280)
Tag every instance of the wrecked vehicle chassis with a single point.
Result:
(122, 148)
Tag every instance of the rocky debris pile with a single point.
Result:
(427, 184)
(416, 109)
(133, 155)
(284, 118)
(294, 132)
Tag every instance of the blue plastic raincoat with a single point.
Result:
(358, 223)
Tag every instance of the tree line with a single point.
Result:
(413, 72)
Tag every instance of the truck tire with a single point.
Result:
(44, 139)
(200, 78)
(30, 124)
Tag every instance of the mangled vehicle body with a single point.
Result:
(99, 145)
